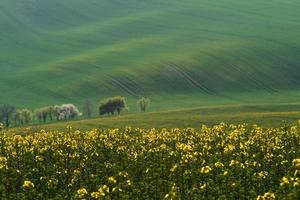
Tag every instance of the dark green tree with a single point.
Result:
(17, 117)
(6, 112)
(112, 105)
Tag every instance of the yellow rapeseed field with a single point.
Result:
(219, 162)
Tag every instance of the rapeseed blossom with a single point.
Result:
(96, 195)
(3, 162)
(81, 193)
(205, 170)
(296, 163)
(263, 174)
(103, 190)
(266, 196)
(28, 184)
(233, 161)
(219, 165)
(112, 180)
(284, 181)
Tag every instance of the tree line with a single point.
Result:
(10, 115)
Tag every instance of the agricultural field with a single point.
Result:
(218, 162)
(66, 51)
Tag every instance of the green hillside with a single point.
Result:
(206, 52)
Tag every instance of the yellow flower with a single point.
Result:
(28, 184)
(266, 196)
(171, 196)
(219, 165)
(96, 195)
(123, 174)
(128, 182)
(3, 162)
(163, 146)
(296, 163)
(173, 193)
(263, 174)
(52, 182)
(112, 180)
(1, 126)
(39, 158)
(81, 193)
(284, 181)
(69, 127)
(103, 190)
(234, 162)
(242, 146)
(116, 189)
(184, 147)
(229, 148)
(202, 187)
(205, 170)
(173, 169)
(256, 164)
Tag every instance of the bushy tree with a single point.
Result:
(87, 108)
(22, 116)
(143, 103)
(6, 112)
(112, 105)
(38, 115)
(26, 115)
(66, 111)
(51, 112)
(57, 112)
(42, 114)
(17, 117)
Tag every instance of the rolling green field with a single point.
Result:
(179, 53)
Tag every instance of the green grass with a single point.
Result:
(266, 115)
(179, 53)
